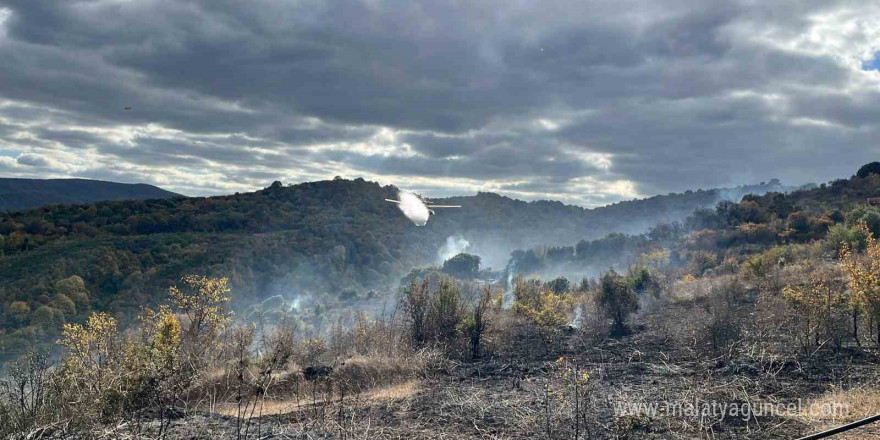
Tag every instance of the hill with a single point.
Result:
(17, 194)
(312, 242)
(748, 302)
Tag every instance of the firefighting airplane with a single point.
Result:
(415, 208)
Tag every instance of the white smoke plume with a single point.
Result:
(412, 207)
(578, 316)
(507, 299)
(455, 244)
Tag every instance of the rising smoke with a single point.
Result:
(455, 244)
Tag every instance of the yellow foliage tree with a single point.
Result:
(820, 308)
(90, 352)
(548, 310)
(203, 301)
(864, 275)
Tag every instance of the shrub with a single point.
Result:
(723, 310)
(820, 309)
(868, 215)
(864, 276)
(617, 301)
(643, 280)
(414, 302)
(700, 261)
(27, 396)
(445, 313)
(475, 324)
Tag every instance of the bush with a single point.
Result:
(820, 308)
(617, 301)
(723, 309)
(27, 396)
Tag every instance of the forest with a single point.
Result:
(313, 243)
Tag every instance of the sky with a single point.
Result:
(587, 102)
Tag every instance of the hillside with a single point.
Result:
(744, 305)
(17, 194)
(311, 242)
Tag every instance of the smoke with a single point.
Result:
(507, 299)
(578, 316)
(412, 207)
(294, 305)
(455, 244)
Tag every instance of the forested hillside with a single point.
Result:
(314, 240)
(721, 238)
(16, 194)
(769, 298)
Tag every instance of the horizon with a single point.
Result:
(446, 196)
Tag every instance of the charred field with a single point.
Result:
(634, 384)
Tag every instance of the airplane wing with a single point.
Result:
(444, 206)
(393, 201)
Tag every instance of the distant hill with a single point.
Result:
(18, 194)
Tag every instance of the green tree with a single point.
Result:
(868, 169)
(558, 285)
(19, 313)
(617, 301)
(415, 303)
(74, 288)
(462, 266)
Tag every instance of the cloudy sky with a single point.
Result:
(588, 102)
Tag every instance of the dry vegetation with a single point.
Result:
(782, 326)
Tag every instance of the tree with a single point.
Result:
(203, 301)
(869, 215)
(820, 308)
(477, 325)
(74, 288)
(864, 277)
(462, 266)
(445, 313)
(617, 301)
(19, 313)
(868, 169)
(642, 280)
(415, 303)
(558, 285)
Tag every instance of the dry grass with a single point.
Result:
(362, 373)
(280, 406)
(841, 406)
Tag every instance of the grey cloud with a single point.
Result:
(32, 160)
(676, 93)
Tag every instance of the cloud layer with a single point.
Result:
(587, 102)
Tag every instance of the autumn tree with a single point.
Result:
(819, 309)
(863, 272)
(203, 301)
